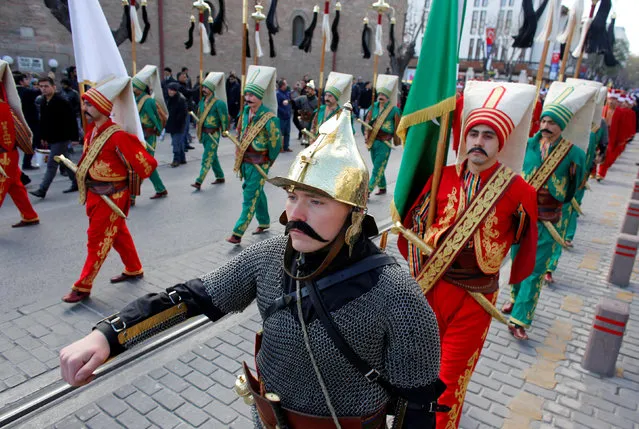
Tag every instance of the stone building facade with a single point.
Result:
(28, 30)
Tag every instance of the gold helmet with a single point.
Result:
(333, 167)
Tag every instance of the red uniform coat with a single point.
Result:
(494, 237)
(121, 153)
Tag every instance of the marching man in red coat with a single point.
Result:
(14, 134)
(483, 206)
(112, 164)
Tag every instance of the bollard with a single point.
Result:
(606, 336)
(623, 260)
(635, 191)
(631, 221)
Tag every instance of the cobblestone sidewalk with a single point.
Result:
(536, 384)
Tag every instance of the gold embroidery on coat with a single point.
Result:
(450, 212)
(489, 252)
(142, 160)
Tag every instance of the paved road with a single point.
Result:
(537, 384)
(44, 261)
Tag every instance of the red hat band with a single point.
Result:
(495, 119)
(98, 101)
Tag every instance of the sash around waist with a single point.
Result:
(466, 274)
(106, 188)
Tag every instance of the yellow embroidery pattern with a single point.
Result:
(142, 160)
(489, 252)
(560, 186)
(433, 234)
(445, 254)
(101, 169)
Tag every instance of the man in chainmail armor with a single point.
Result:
(345, 329)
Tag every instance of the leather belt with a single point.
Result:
(207, 130)
(297, 420)
(106, 188)
(149, 131)
(466, 274)
(256, 158)
(383, 136)
(548, 208)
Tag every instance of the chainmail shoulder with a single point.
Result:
(391, 327)
(232, 287)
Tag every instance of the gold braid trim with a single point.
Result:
(247, 138)
(203, 116)
(94, 150)
(464, 227)
(379, 121)
(148, 324)
(142, 101)
(549, 166)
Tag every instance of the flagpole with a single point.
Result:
(583, 48)
(541, 67)
(244, 41)
(133, 55)
(380, 7)
(564, 60)
(323, 55)
(439, 167)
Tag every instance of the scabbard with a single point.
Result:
(3, 173)
(577, 207)
(276, 406)
(237, 143)
(309, 134)
(553, 232)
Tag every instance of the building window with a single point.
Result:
(503, 3)
(500, 21)
(482, 22)
(484, 3)
(476, 3)
(509, 22)
(298, 30)
(473, 25)
(427, 4)
(471, 48)
(511, 2)
(478, 48)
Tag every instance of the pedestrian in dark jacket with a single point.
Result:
(284, 112)
(233, 97)
(58, 128)
(176, 122)
(365, 99)
(28, 97)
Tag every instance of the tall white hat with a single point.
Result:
(114, 97)
(149, 78)
(507, 108)
(340, 86)
(260, 81)
(572, 108)
(600, 97)
(389, 86)
(215, 82)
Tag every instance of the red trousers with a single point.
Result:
(463, 326)
(106, 230)
(13, 186)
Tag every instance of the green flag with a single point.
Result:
(431, 95)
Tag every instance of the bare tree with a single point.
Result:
(60, 10)
(406, 50)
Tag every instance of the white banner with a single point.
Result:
(97, 57)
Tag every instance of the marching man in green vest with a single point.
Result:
(569, 213)
(213, 119)
(153, 112)
(259, 144)
(554, 166)
(383, 119)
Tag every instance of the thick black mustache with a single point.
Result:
(546, 131)
(477, 149)
(305, 228)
